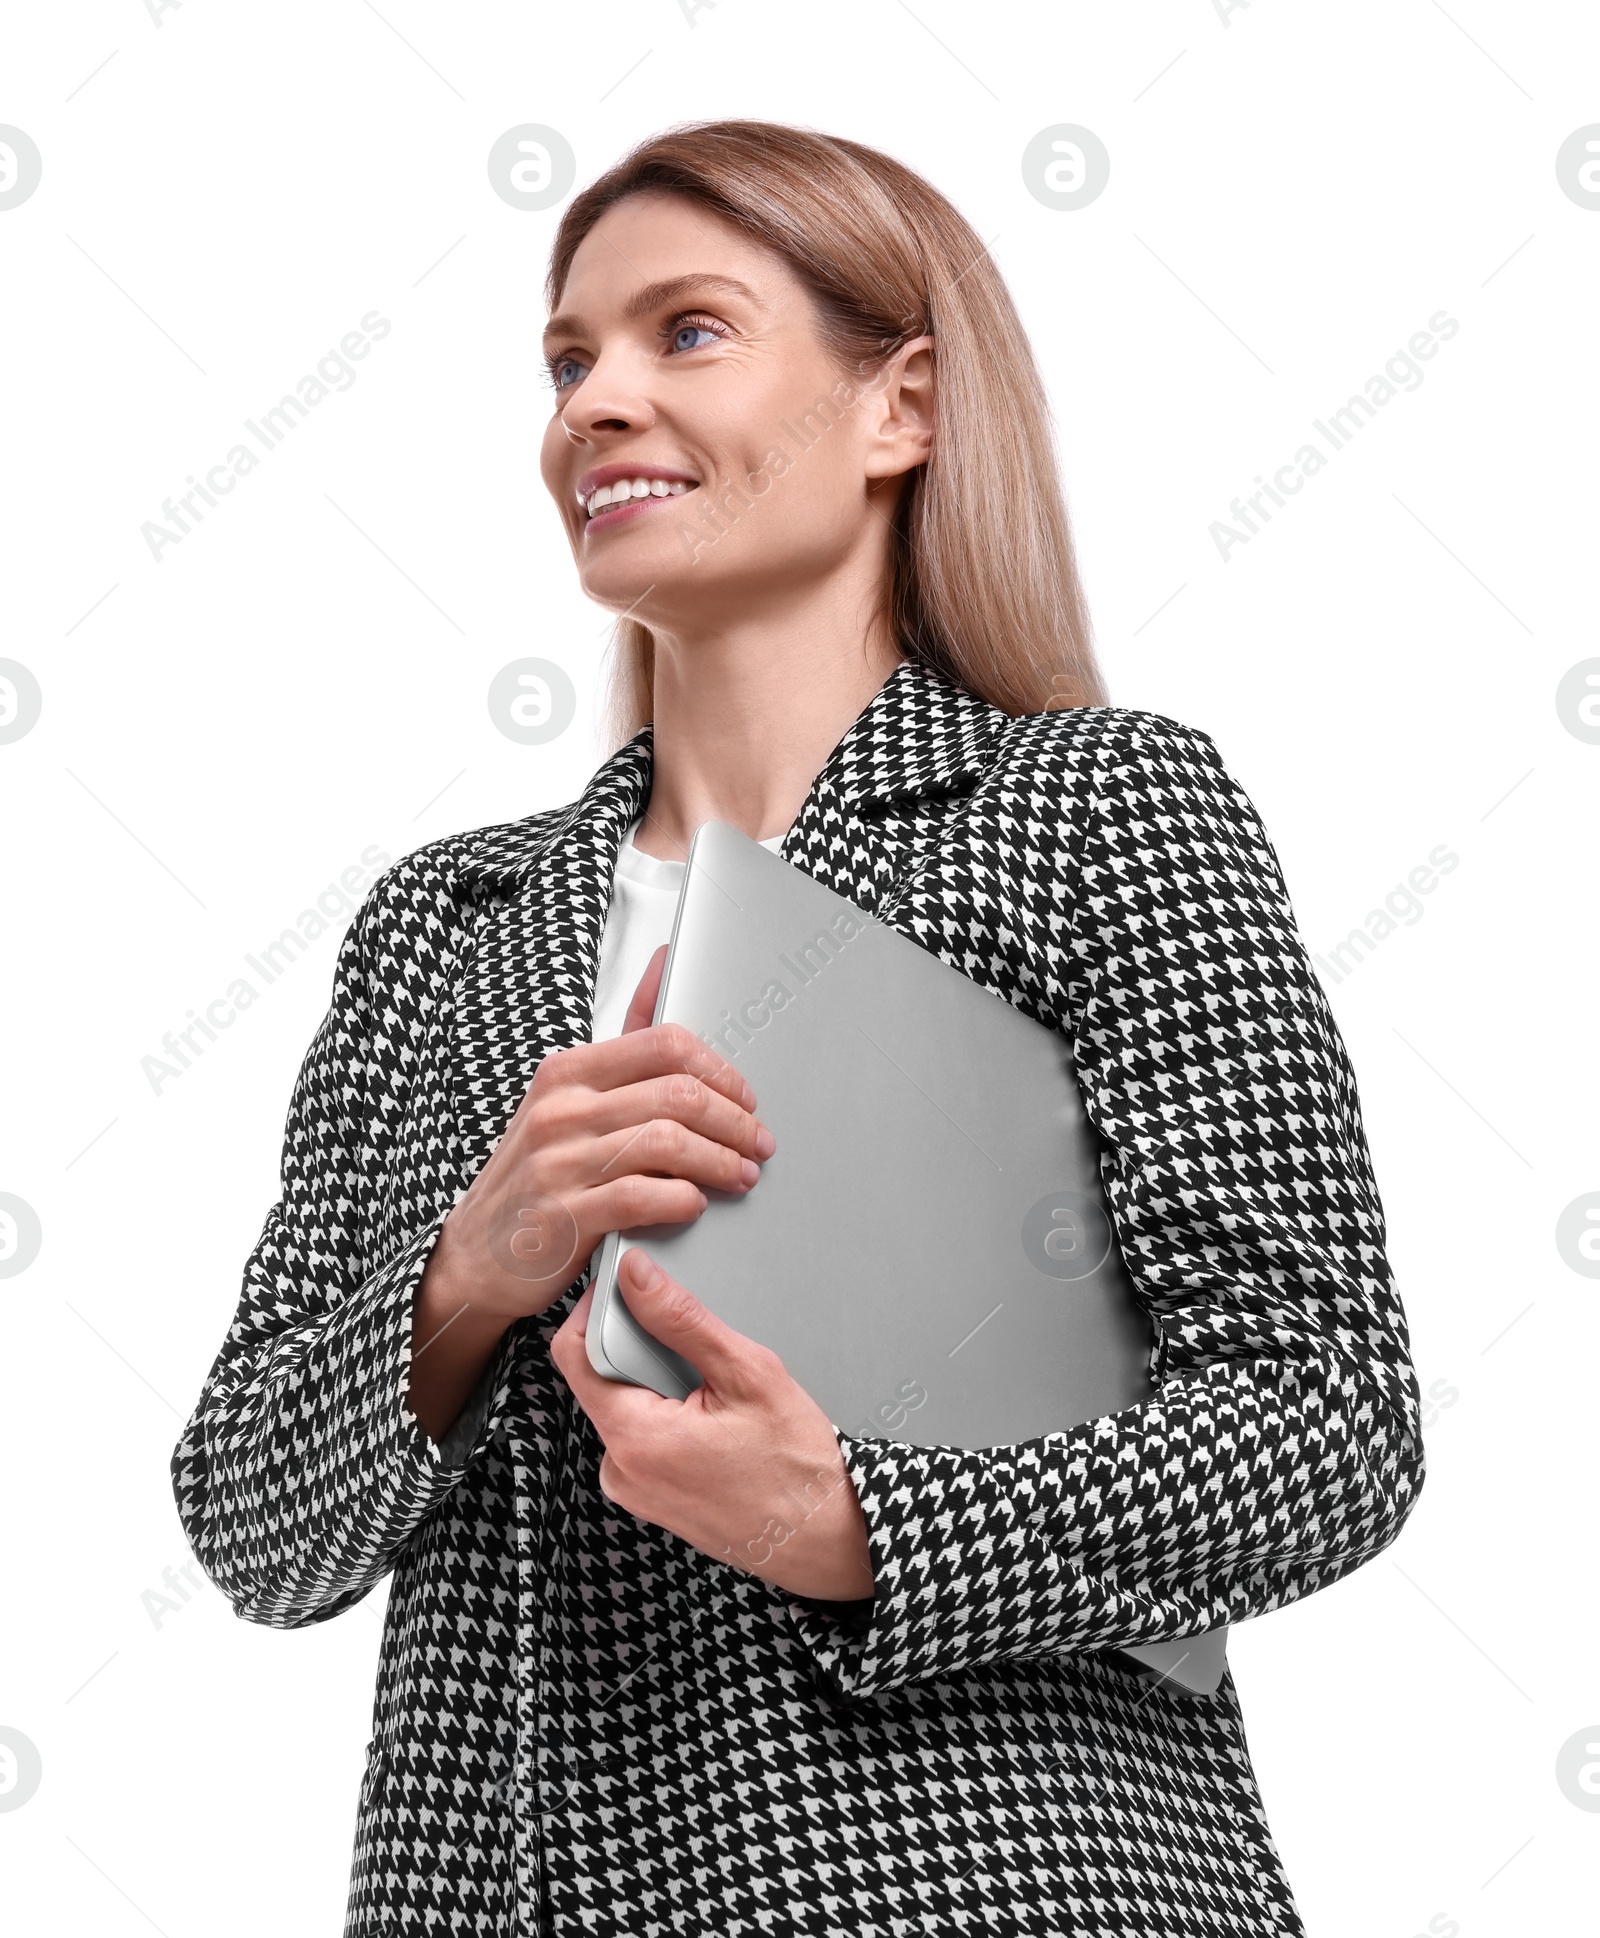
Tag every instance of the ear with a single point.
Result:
(901, 433)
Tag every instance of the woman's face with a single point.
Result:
(684, 357)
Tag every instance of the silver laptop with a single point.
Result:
(928, 1250)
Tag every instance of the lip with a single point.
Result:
(613, 515)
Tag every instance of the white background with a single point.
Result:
(1294, 191)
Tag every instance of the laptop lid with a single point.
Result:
(928, 1249)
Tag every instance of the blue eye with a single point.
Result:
(680, 334)
(691, 330)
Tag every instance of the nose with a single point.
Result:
(610, 398)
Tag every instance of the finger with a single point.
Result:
(667, 1141)
(614, 1407)
(642, 1010)
(650, 1052)
(571, 1335)
(639, 1198)
(733, 1366)
(684, 1099)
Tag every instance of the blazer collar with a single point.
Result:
(528, 985)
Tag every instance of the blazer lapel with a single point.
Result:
(910, 758)
(528, 985)
(543, 884)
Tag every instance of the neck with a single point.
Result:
(746, 715)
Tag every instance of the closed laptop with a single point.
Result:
(928, 1250)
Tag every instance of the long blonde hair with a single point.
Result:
(982, 582)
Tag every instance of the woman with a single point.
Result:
(626, 1687)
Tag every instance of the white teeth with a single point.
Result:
(628, 488)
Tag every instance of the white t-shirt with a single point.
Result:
(644, 899)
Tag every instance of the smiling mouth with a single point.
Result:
(615, 504)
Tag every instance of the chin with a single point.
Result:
(622, 588)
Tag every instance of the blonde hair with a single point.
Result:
(982, 583)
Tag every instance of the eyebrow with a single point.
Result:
(652, 297)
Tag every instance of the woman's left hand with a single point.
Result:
(746, 1469)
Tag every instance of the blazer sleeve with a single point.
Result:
(1282, 1446)
(302, 1472)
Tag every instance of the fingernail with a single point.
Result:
(647, 1271)
(749, 1170)
(766, 1143)
(749, 1096)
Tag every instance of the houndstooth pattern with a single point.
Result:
(583, 1725)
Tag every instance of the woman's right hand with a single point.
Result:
(607, 1136)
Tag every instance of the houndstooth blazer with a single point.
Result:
(584, 1725)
